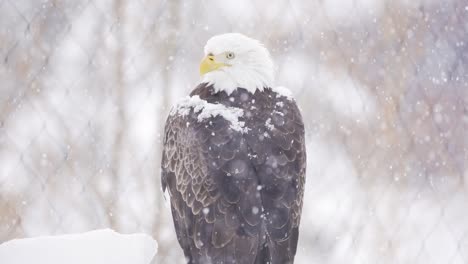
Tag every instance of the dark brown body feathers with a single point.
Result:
(237, 197)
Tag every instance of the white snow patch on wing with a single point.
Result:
(283, 91)
(269, 125)
(167, 198)
(206, 110)
(95, 247)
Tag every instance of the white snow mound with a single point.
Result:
(95, 247)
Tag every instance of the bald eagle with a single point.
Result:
(234, 160)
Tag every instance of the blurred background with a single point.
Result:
(383, 86)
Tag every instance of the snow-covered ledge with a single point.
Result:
(95, 247)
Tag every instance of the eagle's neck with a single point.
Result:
(249, 78)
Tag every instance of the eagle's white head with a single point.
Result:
(233, 60)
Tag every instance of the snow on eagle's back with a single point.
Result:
(283, 91)
(206, 110)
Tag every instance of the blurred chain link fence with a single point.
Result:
(383, 87)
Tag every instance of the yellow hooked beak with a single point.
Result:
(209, 64)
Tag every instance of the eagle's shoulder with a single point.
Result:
(203, 143)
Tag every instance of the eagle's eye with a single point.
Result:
(230, 55)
